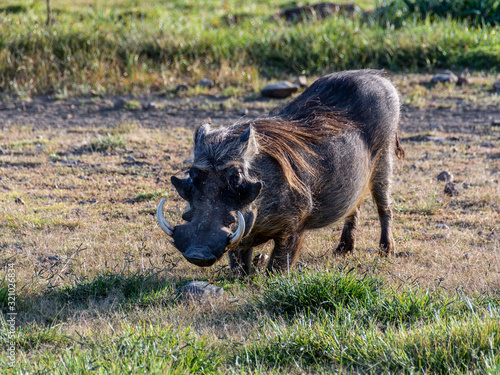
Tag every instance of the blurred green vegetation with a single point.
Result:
(98, 48)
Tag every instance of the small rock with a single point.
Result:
(181, 88)
(404, 254)
(197, 291)
(279, 90)
(54, 259)
(205, 82)
(451, 189)
(496, 87)
(243, 112)
(445, 176)
(152, 105)
(442, 226)
(68, 116)
(445, 77)
(91, 201)
(487, 144)
(120, 103)
(19, 201)
(300, 81)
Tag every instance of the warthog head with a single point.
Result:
(219, 188)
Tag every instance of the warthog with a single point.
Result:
(306, 166)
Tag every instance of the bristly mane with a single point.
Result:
(289, 140)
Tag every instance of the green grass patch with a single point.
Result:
(139, 287)
(109, 144)
(354, 323)
(476, 12)
(132, 105)
(365, 297)
(442, 347)
(144, 348)
(119, 48)
(32, 336)
(148, 196)
(311, 291)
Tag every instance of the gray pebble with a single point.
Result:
(198, 291)
(279, 90)
(445, 176)
(451, 189)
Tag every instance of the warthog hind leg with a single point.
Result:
(380, 188)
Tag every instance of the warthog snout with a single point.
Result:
(202, 242)
(200, 256)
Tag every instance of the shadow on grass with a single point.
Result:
(104, 293)
(137, 288)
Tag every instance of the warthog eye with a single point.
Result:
(235, 179)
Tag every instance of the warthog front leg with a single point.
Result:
(348, 237)
(240, 260)
(285, 252)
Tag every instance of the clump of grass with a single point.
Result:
(304, 291)
(355, 323)
(366, 297)
(107, 144)
(147, 196)
(132, 105)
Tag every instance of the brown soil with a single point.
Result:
(161, 112)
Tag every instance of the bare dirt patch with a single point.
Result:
(471, 108)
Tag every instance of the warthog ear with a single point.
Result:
(183, 186)
(249, 146)
(200, 133)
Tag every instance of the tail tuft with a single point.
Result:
(400, 153)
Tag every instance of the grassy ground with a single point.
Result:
(94, 273)
(97, 48)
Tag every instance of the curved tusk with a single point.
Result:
(164, 224)
(238, 234)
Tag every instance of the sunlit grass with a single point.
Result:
(97, 49)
